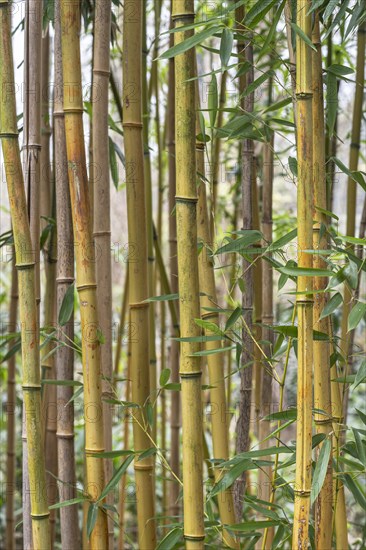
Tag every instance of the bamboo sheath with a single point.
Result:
(11, 415)
(304, 301)
(85, 262)
(138, 266)
(189, 302)
(175, 423)
(25, 259)
(64, 360)
(322, 397)
(101, 216)
(219, 412)
(245, 52)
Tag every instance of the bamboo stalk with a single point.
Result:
(175, 423)
(189, 303)
(101, 217)
(85, 263)
(219, 413)
(70, 535)
(25, 258)
(11, 412)
(304, 284)
(346, 340)
(245, 52)
(322, 397)
(258, 305)
(121, 328)
(138, 266)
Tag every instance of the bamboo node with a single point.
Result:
(302, 493)
(194, 537)
(102, 72)
(58, 114)
(73, 110)
(304, 301)
(89, 452)
(181, 198)
(208, 315)
(39, 517)
(132, 125)
(304, 95)
(8, 134)
(140, 466)
(355, 145)
(101, 233)
(137, 305)
(65, 280)
(31, 387)
(62, 435)
(25, 265)
(185, 15)
(87, 286)
(191, 374)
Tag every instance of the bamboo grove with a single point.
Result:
(183, 290)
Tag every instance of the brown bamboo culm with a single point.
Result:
(101, 216)
(304, 300)
(85, 263)
(189, 302)
(70, 535)
(138, 267)
(25, 261)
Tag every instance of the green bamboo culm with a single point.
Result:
(25, 263)
(138, 268)
(304, 284)
(189, 301)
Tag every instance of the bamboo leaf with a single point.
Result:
(206, 352)
(356, 176)
(190, 42)
(305, 271)
(292, 162)
(213, 100)
(164, 376)
(339, 70)
(236, 314)
(359, 496)
(332, 101)
(113, 163)
(112, 454)
(320, 469)
(257, 12)
(171, 539)
(332, 305)
(280, 243)
(163, 298)
(302, 35)
(236, 245)
(258, 82)
(361, 453)
(253, 525)
(91, 518)
(149, 452)
(67, 306)
(229, 477)
(356, 314)
(67, 503)
(360, 375)
(226, 46)
(116, 477)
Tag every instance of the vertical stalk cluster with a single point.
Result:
(25, 262)
(138, 265)
(189, 302)
(304, 300)
(85, 262)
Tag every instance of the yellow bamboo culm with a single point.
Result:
(25, 262)
(322, 397)
(304, 301)
(189, 302)
(138, 267)
(219, 411)
(85, 262)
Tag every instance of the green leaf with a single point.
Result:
(149, 452)
(113, 163)
(280, 243)
(257, 12)
(236, 245)
(332, 305)
(327, 212)
(171, 539)
(356, 314)
(236, 314)
(320, 470)
(62, 382)
(339, 70)
(258, 82)
(360, 447)
(305, 271)
(208, 325)
(213, 100)
(230, 476)
(253, 525)
(164, 376)
(190, 42)
(163, 298)
(112, 454)
(67, 306)
(302, 35)
(356, 176)
(92, 518)
(226, 46)
(360, 375)
(332, 101)
(362, 416)
(354, 488)
(67, 503)
(206, 352)
(282, 415)
(292, 162)
(116, 477)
